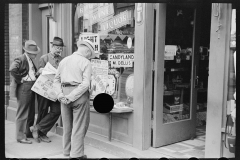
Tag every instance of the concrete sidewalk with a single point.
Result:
(95, 147)
(42, 150)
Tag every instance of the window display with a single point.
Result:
(110, 26)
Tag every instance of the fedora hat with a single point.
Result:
(57, 41)
(31, 47)
(89, 44)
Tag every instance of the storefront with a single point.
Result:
(168, 63)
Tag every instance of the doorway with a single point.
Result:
(181, 75)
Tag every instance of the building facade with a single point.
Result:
(165, 61)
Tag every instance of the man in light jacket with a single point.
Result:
(72, 82)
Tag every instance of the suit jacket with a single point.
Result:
(19, 68)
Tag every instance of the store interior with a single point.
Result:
(177, 73)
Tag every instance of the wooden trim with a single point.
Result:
(217, 81)
(148, 67)
(143, 79)
(159, 68)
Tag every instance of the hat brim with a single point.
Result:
(93, 55)
(57, 44)
(32, 52)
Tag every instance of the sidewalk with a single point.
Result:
(42, 150)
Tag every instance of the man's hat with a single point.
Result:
(57, 41)
(31, 47)
(89, 44)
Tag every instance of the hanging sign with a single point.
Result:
(99, 77)
(116, 22)
(95, 38)
(121, 60)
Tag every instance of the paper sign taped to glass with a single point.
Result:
(44, 84)
(99, 77)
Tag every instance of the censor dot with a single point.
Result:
(103, 103)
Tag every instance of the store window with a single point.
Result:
(178, 64)
(110, 26)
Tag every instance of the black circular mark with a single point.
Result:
(103, 158)
(164, 158)
(133, 158)
(193, 158)
(223, 158)
(103, 103)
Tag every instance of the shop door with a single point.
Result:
(175, 70)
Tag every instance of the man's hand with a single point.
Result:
(63, 99)
(40, 70)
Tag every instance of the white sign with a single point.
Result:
(170, 52)
(99, 77)
(121, 60)
(94, 38)
(111, 85)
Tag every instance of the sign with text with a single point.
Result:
(99, 77)
(121, 60)
(95, 12)
(94, 38)
(170, 52)
(116, 22)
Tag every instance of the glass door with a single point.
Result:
(174, 104)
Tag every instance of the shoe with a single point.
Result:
(38, 140)
(24, 141)
(34, 131)
(79, 158)
(45, 139)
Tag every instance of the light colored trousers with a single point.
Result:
(75, 117)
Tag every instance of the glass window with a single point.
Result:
(110, 26)
(177, 64)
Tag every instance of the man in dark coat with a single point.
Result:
(46, 120)
(23, 72)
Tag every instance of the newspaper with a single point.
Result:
(44, 84)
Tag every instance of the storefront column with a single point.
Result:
(65, 27)
(142, 101)
(218, 76)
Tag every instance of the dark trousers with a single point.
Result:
(46, 120)
(25, 111)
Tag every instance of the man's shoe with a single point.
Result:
(34, 131)
(24, 141)
(45, 139)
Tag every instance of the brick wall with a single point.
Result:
(15, 31)
(25, 22)
(18, 32)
